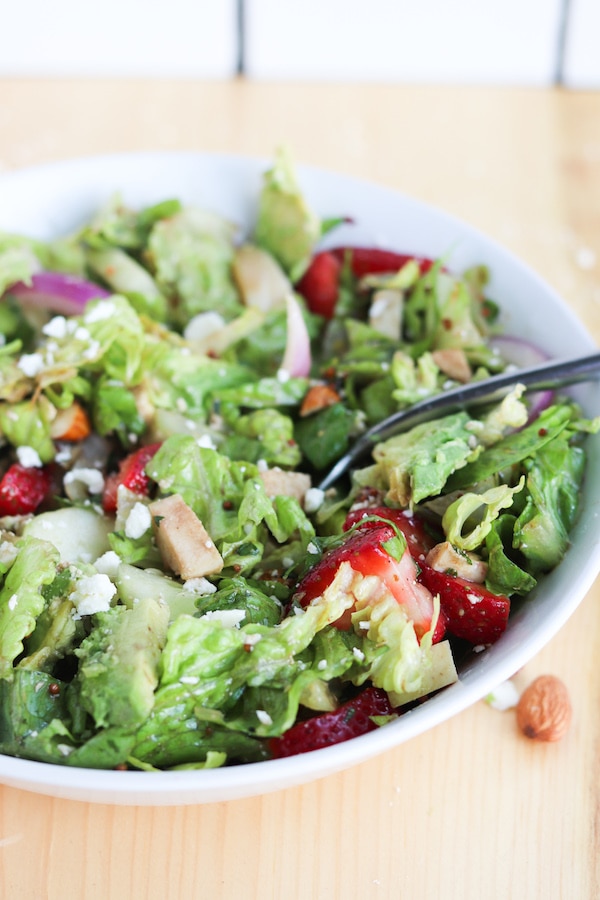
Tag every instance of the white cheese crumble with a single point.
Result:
(31, 364)
(312, 548)
(199, 586)
(138, 521)
(80, 482)
(504, 696)
(12, 603)
(92, 594)
(56, 327)
(206, 442)
(358, 654)
(104, 309)
(262, 465)
(283, 375)
(8, 553)
(322, 664)
(313, 499)
(108, 563)
(29, 457)
(263, 717)
(231, 618)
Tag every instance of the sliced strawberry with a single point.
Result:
(418, 540)
(131, 475)
(365, 551)
(320, 284)
(471, 611)
(23, 489)
(349, 720)
(374, 261)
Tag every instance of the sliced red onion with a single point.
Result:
(296, 359)
(521, 353)
(59, 292)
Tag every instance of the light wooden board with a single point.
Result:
(472, 809)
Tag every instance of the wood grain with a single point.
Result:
(472, 809)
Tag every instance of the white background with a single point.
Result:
(505, 42)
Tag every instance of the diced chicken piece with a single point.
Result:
(183, 541)
(385, 313)
(260, 279)
(444, 557)
(453, 362)
(278, 482)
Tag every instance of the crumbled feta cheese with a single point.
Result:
(504, 696)
(322, 664)
(12, 602)
(108, 563)
(31, 364)
(138, 521)
(251, 639)
(206, 442)
(80, 482)
(56, 327)
(358, 654)
(82, 334)
(199, 586)
(262, 465)
(29, 458)
(231, 618)
(104, 309)
(263, 717)
(313, 499)
(312, 548)
(92, 594)
(8, 553)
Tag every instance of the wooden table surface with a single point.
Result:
(471, 809)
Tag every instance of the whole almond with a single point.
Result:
(544, 709)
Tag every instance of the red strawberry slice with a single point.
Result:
(349, 720)
(374, 261)
(418, 540)
(320, 284)
(131, 475)
(23, 489)
(365, 551)
(470, 611)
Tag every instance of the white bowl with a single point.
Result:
(53, 199)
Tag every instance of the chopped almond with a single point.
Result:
(278, 482)
(184, 543)
(444, 557)
(453, 362)
(319, 396)
(71, 424)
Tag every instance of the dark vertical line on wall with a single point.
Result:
(563, 31)
(241, 62)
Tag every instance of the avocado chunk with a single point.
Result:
(135, 584)
(119, 660)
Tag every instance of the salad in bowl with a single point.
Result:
(177, 592)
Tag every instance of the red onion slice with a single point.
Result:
(296, 359)
(59, 292)
(521, 353)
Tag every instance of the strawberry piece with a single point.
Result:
(418, 540)
(131, 475)
(348, 721)
(366, 554)
(374, 261)
(471, 612)
(320, 284)
(23, 489)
